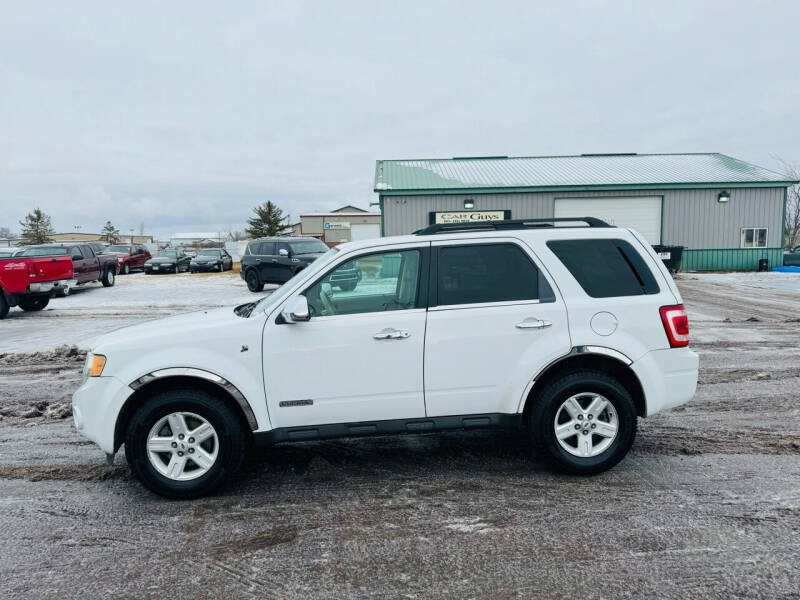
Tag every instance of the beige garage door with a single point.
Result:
(364, 231)
(642, 214)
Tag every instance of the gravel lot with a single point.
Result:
(707, 504)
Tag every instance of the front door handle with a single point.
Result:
(533, 323)
(391, 334)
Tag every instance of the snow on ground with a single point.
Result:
(786, 282)
(92, 310)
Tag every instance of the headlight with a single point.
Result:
(166, 264)
(120, 260)
(95, 363)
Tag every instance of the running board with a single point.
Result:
(391, 427)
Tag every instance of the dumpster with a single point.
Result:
(671, 256)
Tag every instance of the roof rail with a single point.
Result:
(508, 224)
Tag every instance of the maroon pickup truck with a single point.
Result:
(28, 282)
(88, 266)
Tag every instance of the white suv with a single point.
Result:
(568, 332)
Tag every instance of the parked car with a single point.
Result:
(167, 261)
(792, 257)
(129, 256)
(29, 281)
(211, 259)
(278, 259)
(87, 265)
(567, 333)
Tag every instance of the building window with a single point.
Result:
(754, 237)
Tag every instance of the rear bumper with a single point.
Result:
(51, 286)
(668, 377)
(95, 408)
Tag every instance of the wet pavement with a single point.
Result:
(707, 504)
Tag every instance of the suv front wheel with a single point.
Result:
(584, 423)
(184, 443)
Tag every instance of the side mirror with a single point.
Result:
(296, 310)
(283, 252)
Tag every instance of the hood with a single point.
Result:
(162, 259)
(168, 331)
(116, 254)
(206, 259)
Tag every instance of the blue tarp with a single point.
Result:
(787, 269)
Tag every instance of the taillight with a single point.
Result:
(31, 269)
(676, 325)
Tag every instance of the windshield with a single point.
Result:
(167, 254)
(276, 296)
(214, 253)
(309, 247)
(52, 251)
(123, 249)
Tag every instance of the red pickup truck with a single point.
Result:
(129, 256)
(88, 265)
(27, 282)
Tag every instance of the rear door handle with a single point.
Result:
(391, 334)
(533, 323)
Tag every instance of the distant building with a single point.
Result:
(190, 239)
(345, 224)
(724, 213)
(98, 237)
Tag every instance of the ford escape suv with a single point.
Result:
(569, 332)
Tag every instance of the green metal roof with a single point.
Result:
(556, 172)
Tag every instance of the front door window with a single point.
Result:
(380, 282)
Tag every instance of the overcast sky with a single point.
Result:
(185, 115)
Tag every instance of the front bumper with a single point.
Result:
(159, 268)
(95, 408)
(668, 377)
(204, 267)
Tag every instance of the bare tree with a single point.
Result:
(792, 225)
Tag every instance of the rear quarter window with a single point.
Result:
(605, 268)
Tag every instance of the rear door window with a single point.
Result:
(75, 253)
(481, 273)
(605, 268)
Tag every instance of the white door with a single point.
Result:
(360, 357)
(642, 214)
(364, 231)
(497, 322)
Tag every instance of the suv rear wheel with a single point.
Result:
(3, 305)
(254, 284)
(184, 443)
(584, 423)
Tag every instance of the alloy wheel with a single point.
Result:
(586, 424)
(182, 446)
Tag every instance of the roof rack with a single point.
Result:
(508, 224)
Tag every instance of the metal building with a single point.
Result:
(345, 224)
(726, 213)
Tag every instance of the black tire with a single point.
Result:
(109, 277)
(177, 269)
(126, 269)
(4, 308)
(33, 303)
(547, 404)
(232, 435)
(254, 284)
